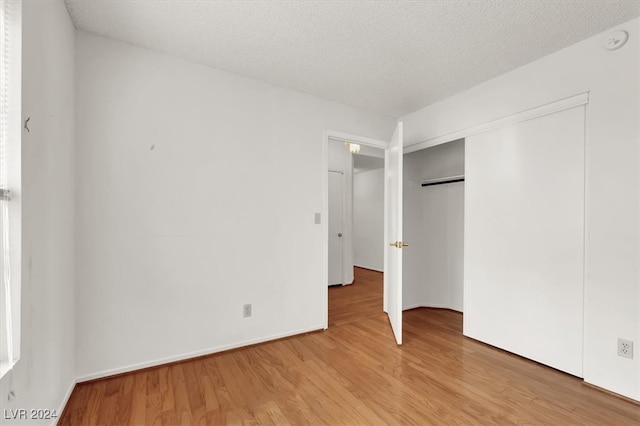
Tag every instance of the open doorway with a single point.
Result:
(368, 210)
(346, 156)
(356, 232)
(434, 191)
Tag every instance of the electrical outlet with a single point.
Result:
(625, 348)
(246, 310)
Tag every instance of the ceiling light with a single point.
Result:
(354, 148)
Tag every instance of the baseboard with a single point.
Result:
(418, 305)
(441, 307)
(612, 393)
(65, 400)
(409, 307)
(189, 355)
(369, 269)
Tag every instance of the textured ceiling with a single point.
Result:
(393, 57)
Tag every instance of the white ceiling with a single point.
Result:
(393, 57)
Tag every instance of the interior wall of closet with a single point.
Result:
(433, 264)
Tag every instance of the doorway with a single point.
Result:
(434, 190)
(338, 158)
(523, 235)
(355, 211)
(358, 209)
(368, 209)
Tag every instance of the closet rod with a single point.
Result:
(442, 181)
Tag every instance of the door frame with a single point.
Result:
(339, 137)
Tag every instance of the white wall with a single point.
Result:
(196, 194)
(434, 228)
(368, 218)
(45, 373)
(612, 274)
(341, 160)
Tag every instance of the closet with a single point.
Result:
(506, 245)
(434, 227)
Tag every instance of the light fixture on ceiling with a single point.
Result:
(354, 148)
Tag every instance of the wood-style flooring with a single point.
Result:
(353, 374)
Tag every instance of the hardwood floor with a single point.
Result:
(353, 374)
(356, 302)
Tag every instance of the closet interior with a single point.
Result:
(433, 215)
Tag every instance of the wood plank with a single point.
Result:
(138, 400)
(353, 373)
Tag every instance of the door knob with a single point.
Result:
(340, 234)
(399, 244)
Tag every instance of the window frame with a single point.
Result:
(11, 134)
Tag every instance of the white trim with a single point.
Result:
(529, 114)
(65, 400)
(413, 306)
(11, 137)
(385, 230)
(420, 305)
(195, 354)
(324, 221)
(585, 246)
(6, 366)
(362, 140)
(369, 268)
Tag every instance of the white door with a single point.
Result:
(524, 239)
(335, 227)
(393, 233)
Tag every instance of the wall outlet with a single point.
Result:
(246, 310)
(625, 348)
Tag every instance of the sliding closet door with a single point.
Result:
(524, 238)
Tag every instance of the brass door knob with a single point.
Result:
(399, 244)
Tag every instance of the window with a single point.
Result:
(10, 224)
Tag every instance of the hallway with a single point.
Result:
(360, 300)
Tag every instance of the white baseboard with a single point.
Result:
(408, 307)
(185, 356)
(65, 400)
(369, 268)
(436, 306)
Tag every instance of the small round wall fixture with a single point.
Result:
(615, 40)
